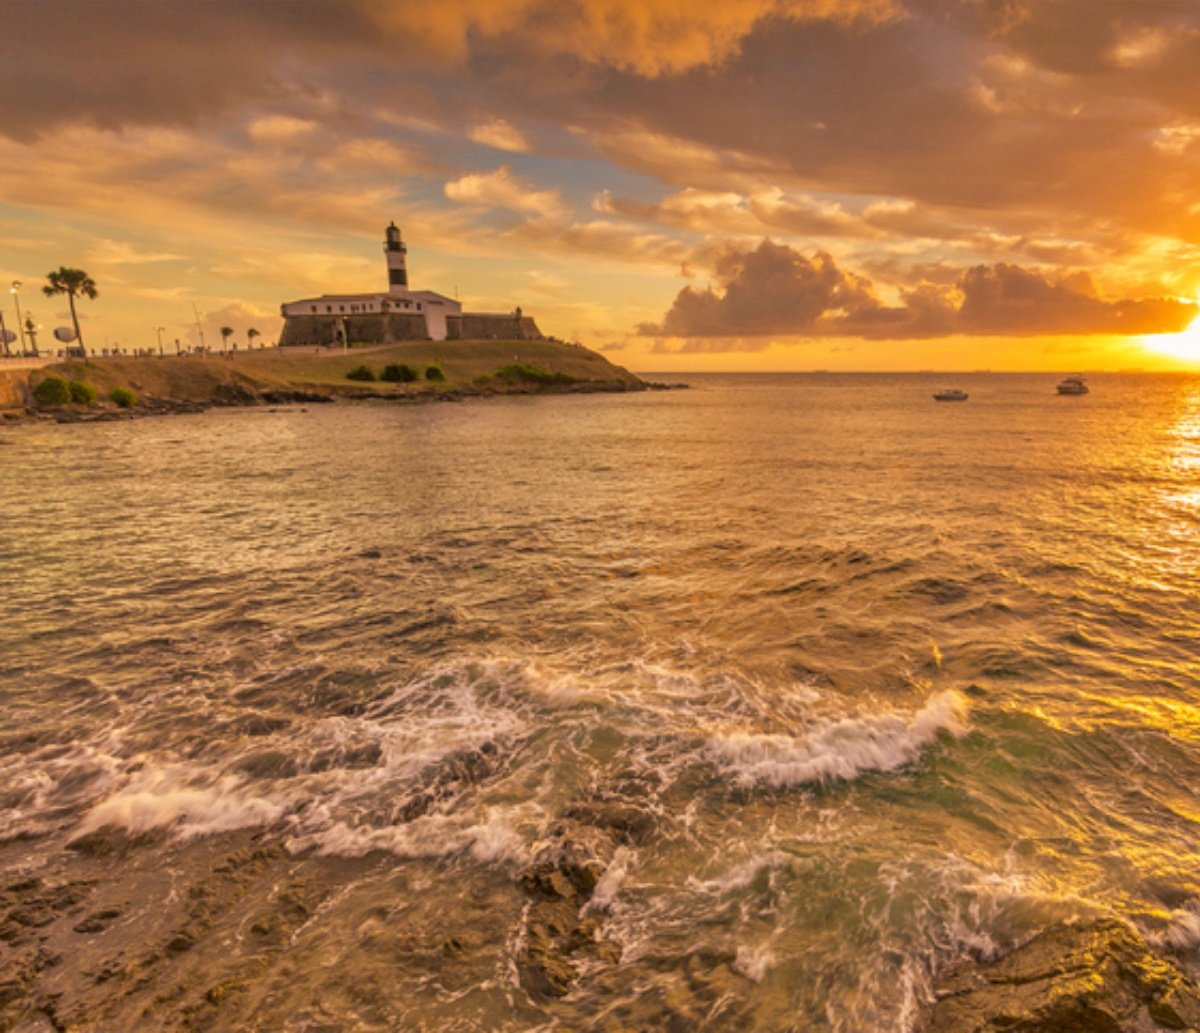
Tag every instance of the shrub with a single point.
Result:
(531, 374)
(434, 373)
(399, 373)
(360, 373)
(123, 397)
(81, 393)
(52, 391)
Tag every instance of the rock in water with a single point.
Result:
(559, 883)
(1096, 978)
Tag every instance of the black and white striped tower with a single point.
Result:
(397, 261)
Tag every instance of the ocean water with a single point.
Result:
(842, 686)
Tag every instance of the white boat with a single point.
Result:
(951, 394)
(1073, 386)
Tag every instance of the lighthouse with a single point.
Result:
(399, 314)
(397, 261)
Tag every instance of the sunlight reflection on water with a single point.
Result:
(857, 684)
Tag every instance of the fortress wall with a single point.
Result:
(361, 329)
(475, 327)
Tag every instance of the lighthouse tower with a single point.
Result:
(397, 261)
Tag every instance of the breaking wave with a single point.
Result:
(840, 749)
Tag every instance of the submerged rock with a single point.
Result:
(1096, 978)
(560, 882)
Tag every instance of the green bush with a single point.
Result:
(123, 397)
(361, 373)
(399, 373)
(531, 374)
(52, 391)
(81, 393)
(434, 373)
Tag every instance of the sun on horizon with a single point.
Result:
(1184, 345)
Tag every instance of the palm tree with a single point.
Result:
(226, 333)
(250, 335)
(73, 283)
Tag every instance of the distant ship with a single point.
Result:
(1073, 386)
(951, 394)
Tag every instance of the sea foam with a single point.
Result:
(489, 841)
(838, 750)
(164, 799)
(1182, 932)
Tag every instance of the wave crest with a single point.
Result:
(838, 750)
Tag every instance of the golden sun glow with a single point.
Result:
(1184, 345)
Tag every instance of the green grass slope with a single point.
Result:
(469, 367)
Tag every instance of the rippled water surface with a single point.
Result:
(839, 684)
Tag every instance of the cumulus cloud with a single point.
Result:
(914, 139)
(239, 316)
(501, 189)
(500, 134)
(771, 290)
(775, 290)
(649, 39)
(280, 128)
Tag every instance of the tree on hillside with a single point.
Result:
(250, 335)
(73, 283)
(226, 333)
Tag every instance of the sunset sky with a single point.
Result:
(686, 185)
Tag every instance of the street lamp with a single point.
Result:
(31, 331)
(15, 291)
(158, 330)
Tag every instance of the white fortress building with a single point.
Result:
(399, 314)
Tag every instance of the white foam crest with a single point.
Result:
(1182, 932)
(492, 840)
(609, 884)
(833, 750)
(740, 876)
(164, 798)
(753, 962)
(38, 787)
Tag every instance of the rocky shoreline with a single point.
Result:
(227, 396)
(1092, 977)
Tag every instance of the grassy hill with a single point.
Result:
(470, 367)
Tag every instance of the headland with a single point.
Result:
(414, 371)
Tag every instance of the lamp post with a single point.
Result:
(15, 291)
(158, 330)
(31, 331)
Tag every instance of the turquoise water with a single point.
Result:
(876, 685)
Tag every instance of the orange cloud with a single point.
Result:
(775, 290)
(500, 134)
(501, 189)
(650, 39)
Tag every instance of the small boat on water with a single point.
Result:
(1073, 386)
(951, 394)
